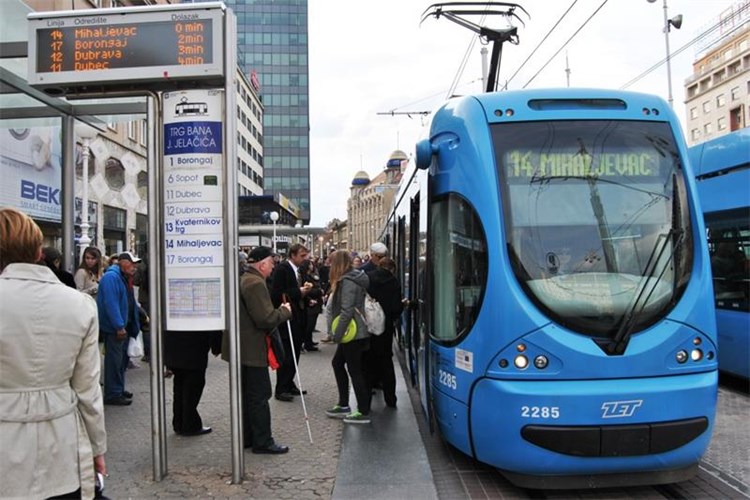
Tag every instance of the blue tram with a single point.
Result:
(722, 169)
(560, 326)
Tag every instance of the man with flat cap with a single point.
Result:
(258, 317)
(118, 321)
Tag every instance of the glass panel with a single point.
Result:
(729, 243)
(459, 263)
(597, 220)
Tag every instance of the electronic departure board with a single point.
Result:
(125, 46)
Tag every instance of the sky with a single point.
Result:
(367, 58)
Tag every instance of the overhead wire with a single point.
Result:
(566, 43)
(540, 44)
(695, 40)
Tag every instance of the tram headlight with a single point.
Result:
(541, 362)
(681, 356)
(696, 354)
(521, 362)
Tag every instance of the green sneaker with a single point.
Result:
(356, 417)
(338, 411)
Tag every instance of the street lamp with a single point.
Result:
(676, 21)
(86, 133)
(320, 239)
(274, 217)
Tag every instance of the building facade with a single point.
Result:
(718, 92)
(117, 163)
(370, 202)
(273, 48)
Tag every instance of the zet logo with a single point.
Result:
(620, 409)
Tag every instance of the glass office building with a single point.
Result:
(272, 46)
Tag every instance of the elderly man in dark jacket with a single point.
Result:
(257, 317)
(386, 289)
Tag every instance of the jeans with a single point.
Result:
(114, 366)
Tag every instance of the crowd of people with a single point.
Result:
(56, 325)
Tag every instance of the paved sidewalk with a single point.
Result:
(200, 466)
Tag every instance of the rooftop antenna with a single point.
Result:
(453, 12)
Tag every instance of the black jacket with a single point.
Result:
(385, 288)
(189, 350)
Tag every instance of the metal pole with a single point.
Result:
(231, 271)
(156, 270)
(669, 65)
(485, 70)
(67, 196)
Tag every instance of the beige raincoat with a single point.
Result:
(51, 413)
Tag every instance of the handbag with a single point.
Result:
(275, 349)
(351, 329)
(374, 316)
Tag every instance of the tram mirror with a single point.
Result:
(424, 151)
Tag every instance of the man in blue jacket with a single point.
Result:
(118, 321)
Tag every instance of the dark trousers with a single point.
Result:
(312, 318)
(350, 357)
(188, 389)
(379, 366)
(115, 355)
(286, 372)
(256, 413)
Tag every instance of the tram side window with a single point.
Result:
(459, 267)
(729, 245)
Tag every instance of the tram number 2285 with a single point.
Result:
(540, 412)
(447, 379)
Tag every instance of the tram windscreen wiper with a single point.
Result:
(674, 236)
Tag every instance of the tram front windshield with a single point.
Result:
(597, 220)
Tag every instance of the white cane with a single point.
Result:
(299, 380)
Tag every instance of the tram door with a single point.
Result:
(419, 273)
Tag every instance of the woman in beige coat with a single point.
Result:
(52, 436)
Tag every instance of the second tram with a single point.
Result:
(722, 169)
(561, 322)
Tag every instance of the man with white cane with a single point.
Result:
(257, 318)
(299, 382)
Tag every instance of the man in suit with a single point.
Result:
(287, 286)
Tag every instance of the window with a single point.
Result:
(695, 134)
(693, 112)
(722, 123)
(131, 131)
(581, 224)
(720, 100)
(144, 132)
(114, 173)
(729, 245)
(707, 129)
(706, 106)
(735, 93)
(459, 263)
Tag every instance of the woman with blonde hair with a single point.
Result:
(346, 304)
(89, 272)
(52, 424)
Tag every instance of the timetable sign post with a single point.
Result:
(149, 47)
(193, 209)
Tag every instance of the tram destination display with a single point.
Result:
(125, 46)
